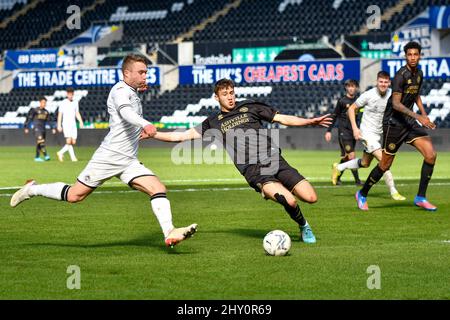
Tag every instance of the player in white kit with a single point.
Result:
(68, 113)
(371, 129)
(117, 155)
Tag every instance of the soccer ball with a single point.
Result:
(277, 243)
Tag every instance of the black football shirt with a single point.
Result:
(408, 84)
(243, 133)
(39, 117)
(340, 114)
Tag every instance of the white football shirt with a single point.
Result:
(123, 137)
(374, 105)
(68, 109)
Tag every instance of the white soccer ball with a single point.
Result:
(277, 243)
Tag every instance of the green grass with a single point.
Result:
(115, 240)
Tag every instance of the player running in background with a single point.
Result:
(371, 128)
(346, 140)
(117, 155)
(400, 125)
(39, 117)
(257, 157)
(68, 113)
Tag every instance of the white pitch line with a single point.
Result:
(311, 179)
(242, 179)
(239, 189)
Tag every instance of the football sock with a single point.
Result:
(343, 160)
(64, 149)
(71, 152)
(425, 176)
(38, 150)
(161, 209)
(374, 176)
(355, 174)
(297, 216)
(389, 179)
(352, 164)
(294, 212)
(56, 191)
(43, 149)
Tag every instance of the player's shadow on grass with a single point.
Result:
(395, 204)
(256, 233)
(250, 233)
(148, 241)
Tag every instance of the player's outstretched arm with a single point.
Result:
(175, 136)
(293, 121)
(28, 120)
(80, 119)
(399, 106)
(352, 117)
(58, 122)
(423, 112)
(130, 116)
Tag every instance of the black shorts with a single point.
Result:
(39, 134)
(395, 134)
(283, 173)
(347, 142)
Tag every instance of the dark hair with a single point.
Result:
(383, 74)
(131, 58)
(412, 45)
(70, 89)
(42, 98)
(350, 82)
(223, 84)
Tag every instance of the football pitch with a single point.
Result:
(115, 240)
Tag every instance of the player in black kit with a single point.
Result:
(239, 127)
(39, 117)
(346, 140)
(400, 125)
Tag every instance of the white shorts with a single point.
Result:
(70, 132)
(371, 141)
(97, 172)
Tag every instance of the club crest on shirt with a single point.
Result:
(243, 109)
(220, 117)
(409, 81)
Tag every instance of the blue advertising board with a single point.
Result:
(437, 67)
(305, 71)
(440, 17)
(44, 58)
(77, 78)
(30, 59)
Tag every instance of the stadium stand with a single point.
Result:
(143, 21)
(289, 19)
(190, 104)
(161, 21)
(409, 11)
(9, 7)
(35, 22)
